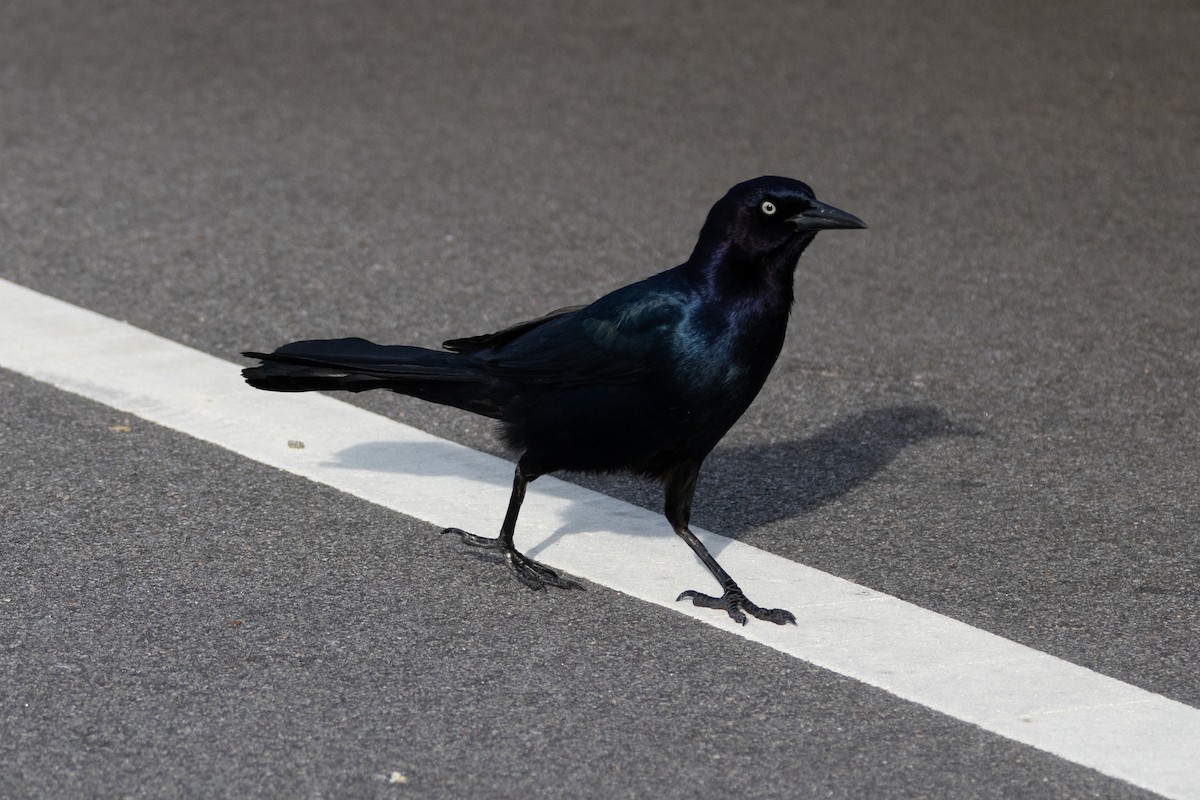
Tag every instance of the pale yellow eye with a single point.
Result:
(768, 207)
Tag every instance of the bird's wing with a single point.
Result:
(621, 338)
(473, 344)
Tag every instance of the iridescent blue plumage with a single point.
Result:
(646, 379)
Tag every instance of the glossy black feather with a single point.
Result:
(471, 344)
(646, 379)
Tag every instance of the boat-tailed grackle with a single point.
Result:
(647, 379)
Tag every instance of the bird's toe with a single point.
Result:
(474, 540)
(535, 575)
(727, 602)
(734, 603)
(780, 616)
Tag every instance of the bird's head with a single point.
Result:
(770, 217)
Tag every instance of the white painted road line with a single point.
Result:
(1118, 729)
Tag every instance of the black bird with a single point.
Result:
(647, 379)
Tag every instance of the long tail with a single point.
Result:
(356, 365)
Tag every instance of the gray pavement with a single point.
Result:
(987, 404)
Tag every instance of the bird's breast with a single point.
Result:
(726, 357)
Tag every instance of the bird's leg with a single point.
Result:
(530, 572)
(680, 486)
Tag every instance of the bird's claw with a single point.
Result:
(734, 603)
(535, 575)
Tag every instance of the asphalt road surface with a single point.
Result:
(987, 405)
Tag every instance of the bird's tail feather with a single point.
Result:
(356, 365)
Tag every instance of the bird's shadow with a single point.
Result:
(821, 468)
(817, 469)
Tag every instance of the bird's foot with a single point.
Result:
(533, 574)
(734, 603)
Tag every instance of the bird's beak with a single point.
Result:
(820, 217)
